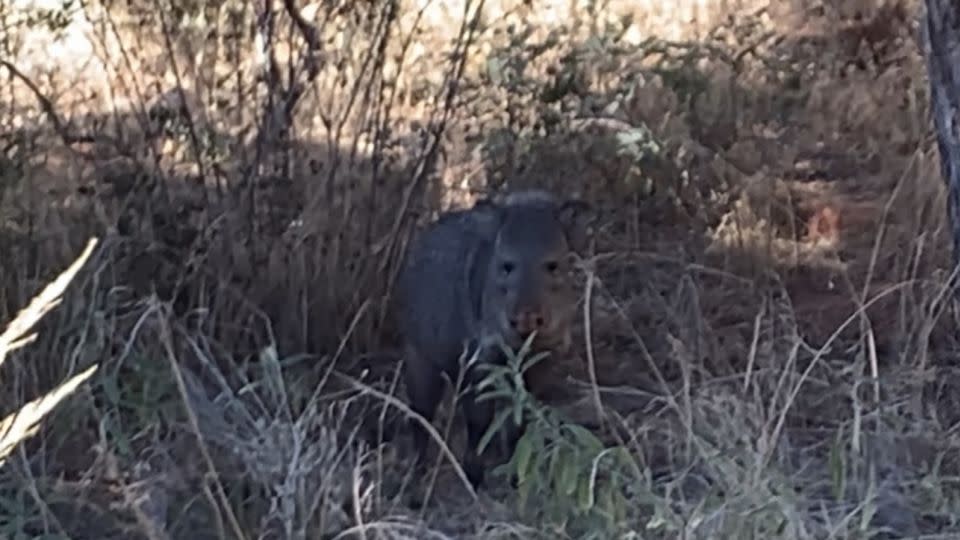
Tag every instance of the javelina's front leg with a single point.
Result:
(478, 415)
(425, 391)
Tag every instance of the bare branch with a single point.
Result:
(48, 108)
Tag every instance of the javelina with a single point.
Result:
(473, 278)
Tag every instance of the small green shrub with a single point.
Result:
(566, 478)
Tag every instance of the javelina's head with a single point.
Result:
(528, 285)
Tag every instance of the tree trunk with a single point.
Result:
(941, 39)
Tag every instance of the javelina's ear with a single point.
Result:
(485, 203)
(488, 209)
(577, 218)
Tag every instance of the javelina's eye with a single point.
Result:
(552, 266)
(506, 268)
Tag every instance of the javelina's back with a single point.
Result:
(493, 273)
(440, 286)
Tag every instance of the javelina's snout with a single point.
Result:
(527, 321)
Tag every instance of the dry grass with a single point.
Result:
(766, 334)
(23, 423)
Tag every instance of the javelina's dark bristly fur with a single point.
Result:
(480, 277)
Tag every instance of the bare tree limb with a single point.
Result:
(46, 105)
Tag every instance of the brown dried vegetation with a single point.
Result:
(768, 337)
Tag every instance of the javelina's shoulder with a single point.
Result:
(477, 222)
(453, 242)
(530, 198)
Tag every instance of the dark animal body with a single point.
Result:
(478, 278)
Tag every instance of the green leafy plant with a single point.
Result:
(577, 480)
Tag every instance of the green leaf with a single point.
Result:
(492, 430)
(523, 492)
(585, 438)
(490, 380)
(607, 500)
(585, 494)
(110, 389)
(494, 394)
(522, 454)
(517, 410)
(622, 458)
(534, 360)
(525, 348)
(619, 506)
(568, 476)
(503, 470)
(121, 443)
(553, 465)
(837, 466)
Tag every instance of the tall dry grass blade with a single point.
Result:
(588, 339)
(22, 424)
(15, 336)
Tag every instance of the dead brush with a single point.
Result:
(307, 464)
